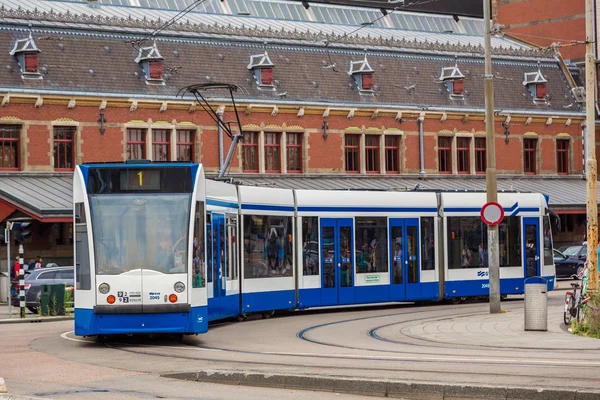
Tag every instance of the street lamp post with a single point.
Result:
(490, 174)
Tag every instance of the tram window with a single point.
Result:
(427, 244)
(310, 246)
(371, 245)
(548, 253)
(209, 249)
(83, 279)
(268, 246)
(199, 273)
(134, 231)
(509, 234)
(467, 243)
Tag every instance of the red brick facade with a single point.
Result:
(320, 154)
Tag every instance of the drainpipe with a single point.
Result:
(220, 112)
(421, 151)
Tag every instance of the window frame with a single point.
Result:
(448, 150)
(158, 144)
(63, 144)
(136, 142)
(182, 145)
(372, 154)
(276, 149)
(248, 146)
(562, 156)
(463, 153)
(354, 148)
(480, 155)
(392, 148)
(295, 147)
(7, 142)
(531, 153)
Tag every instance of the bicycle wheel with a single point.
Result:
(568, 307)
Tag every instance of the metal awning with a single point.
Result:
(565, 193)
(45, 197)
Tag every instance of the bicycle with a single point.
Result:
(575, 302)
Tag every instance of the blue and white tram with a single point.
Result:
(139, 248)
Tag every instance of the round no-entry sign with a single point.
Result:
(492, 213)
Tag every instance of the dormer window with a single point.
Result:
(263, 69)
(454, 81)
(363, 74)
(26, 52)
(152, 64)
(535, 83)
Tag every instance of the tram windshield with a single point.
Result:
(136, 231)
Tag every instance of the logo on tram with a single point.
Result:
(483, 273)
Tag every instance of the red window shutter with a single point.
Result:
(458, 87)
(266, 76)
(156, 69)
(540, 90)
(367, 81)
(31, 63)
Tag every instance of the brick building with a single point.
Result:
(322, 104)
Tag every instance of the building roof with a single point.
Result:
(43, 196)
(348, 12)
(102, 65)
(565, 193)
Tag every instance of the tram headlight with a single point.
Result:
(179, 287)
(104, 288)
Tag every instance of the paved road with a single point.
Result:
(442, 344)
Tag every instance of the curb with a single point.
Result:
(382, 388)
(34, 320)
(20, 397)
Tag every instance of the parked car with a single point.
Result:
(570, 261)
(39, 277)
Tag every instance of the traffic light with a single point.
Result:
(20, 231)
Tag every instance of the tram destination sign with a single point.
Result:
(492, 213)
(139, 180)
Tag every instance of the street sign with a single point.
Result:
(492, 213)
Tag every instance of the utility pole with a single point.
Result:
(590, 130)
(490, 173)
(22, 281)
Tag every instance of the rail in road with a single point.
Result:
(358, 350)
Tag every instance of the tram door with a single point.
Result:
(405, 260)
(531, 246)
(218, 262)
(337, 277)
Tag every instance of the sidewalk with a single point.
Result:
(29, 316)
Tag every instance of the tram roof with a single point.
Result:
(565, 193)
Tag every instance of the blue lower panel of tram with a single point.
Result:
(223, 307)
(267, 301)
(482, 288)
(87, 323)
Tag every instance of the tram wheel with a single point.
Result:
(268, 314)
(242, 317)
(101, 339)
(179, 337)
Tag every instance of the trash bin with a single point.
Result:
(4, 286)
(536, 304)
(45, 299)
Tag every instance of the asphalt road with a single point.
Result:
(442, 344)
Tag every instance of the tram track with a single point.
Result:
(411, 360)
